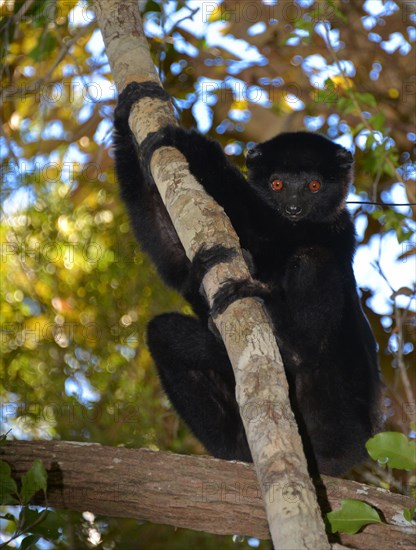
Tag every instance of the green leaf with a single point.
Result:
(378, 121)
(334, 10)
(29, 541)
(49, 527)
(341, 15)
(408, 513)
(44, 47)
(379, 215)
(404, 234)
(328, 94)
(394, 449)
(8, 517)
(389, 170)
(366, 98)
(346, 105)
(305, 25)
(370, 141)
(28, 516)
(33, 481)
(152, 6)
(352, 515)
(329, 84)
(8, 486)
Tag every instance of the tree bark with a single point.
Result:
(195, 492)
(245, 327)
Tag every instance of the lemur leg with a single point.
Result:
(197, 376)
(335, 425)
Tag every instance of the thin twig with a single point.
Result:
(34, 86)
(399, 318)
(353, 97)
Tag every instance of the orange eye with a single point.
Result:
(314, 186)
(277, 185)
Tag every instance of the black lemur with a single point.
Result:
(292, 219)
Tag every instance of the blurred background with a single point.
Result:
(76, 290)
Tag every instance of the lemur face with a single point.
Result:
(301, 176)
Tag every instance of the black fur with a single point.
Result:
(302, 246)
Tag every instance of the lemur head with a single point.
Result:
(302, 176)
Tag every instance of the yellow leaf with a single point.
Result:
(215, 15)
(239, 105)
(36, 329)
(341, 82)
(43, 290)
(393, 93)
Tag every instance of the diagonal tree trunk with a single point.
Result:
(261, 383)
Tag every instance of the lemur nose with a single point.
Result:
(293, 210)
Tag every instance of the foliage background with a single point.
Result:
(77, 292)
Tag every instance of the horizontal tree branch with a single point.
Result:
(195, 492)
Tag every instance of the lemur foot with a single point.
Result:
(132, 93)
(231, 290)
(206, 258)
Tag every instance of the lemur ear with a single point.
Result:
(344, 157)
(254, 154)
